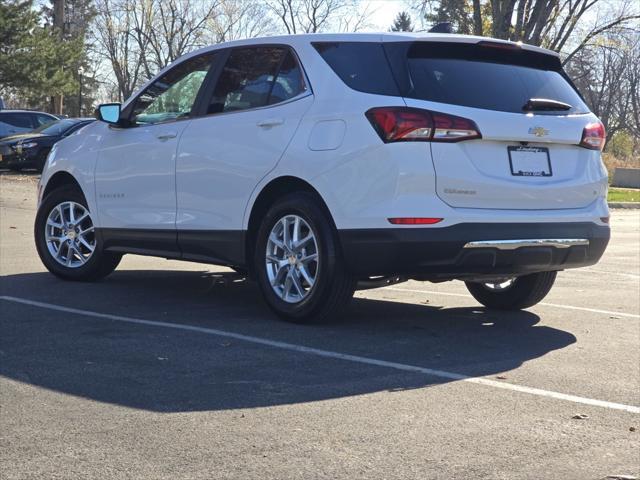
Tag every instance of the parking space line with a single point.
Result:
(329, 354)
(555, 305)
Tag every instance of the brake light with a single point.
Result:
(406, 124)
(593, 136)
(414, 221)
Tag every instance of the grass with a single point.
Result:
(624, 195)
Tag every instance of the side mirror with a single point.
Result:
(109, 113)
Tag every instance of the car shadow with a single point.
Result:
(174, 370)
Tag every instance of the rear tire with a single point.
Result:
(523, 292)
(301, 275)
(74, 259)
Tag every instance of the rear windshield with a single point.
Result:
(487, 77)
(472, 75)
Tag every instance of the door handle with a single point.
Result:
(166, 136)
(270, 122)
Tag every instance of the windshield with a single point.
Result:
(57, 127)
(484, 77)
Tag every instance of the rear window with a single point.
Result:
(20, 120)
(487, 77)
(362, 66)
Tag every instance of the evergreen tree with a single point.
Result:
(402, 23)
(457, 12)
(32, 56)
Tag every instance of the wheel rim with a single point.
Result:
(70, 235)
(501, 286)
(292, 258)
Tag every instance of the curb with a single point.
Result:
(626, 205)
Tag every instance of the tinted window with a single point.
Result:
(487, 77)
(44, 119)
(362, 66)
(172, 96)
(20, 120)
(289, 81)
(59, 127)
(247, 78)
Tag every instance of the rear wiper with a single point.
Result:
(542, 104)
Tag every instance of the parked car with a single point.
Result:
(320, 164)
(30, 150)
(20, 121)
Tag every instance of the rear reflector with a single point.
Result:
(405, 124)
(593, 136)
(414, 221)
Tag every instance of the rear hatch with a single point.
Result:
(530, 117)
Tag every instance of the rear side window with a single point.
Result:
(289, 82)
(255, 77)
(20, 120)
(487, 77)
(362, 66)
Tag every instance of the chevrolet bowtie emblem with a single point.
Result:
(538, 131)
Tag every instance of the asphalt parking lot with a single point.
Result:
(172, 370)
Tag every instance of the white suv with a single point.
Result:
(319, 164)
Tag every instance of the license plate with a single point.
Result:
(529, 161)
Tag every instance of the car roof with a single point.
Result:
(306, 38)
(10, 110)
(368, 37)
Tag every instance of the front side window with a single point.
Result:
(172, 96)
(44, 120)
(255, 77)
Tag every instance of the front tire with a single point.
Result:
(298, 262)
(66, 239)
(515, 294)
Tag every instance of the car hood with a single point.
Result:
(23, 137)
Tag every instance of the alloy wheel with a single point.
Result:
(70, 234)
(292, 258)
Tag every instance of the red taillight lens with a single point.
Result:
(414, 221)
(405, 124)
(593, 136)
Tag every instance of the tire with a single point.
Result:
(96, 265)
(524, 292)
(325, 298)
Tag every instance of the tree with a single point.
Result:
(32, 57)
(78, 15)
(236, 19)
(312, 16)
(549, 23)
(402, 23)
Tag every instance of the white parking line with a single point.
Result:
(335, 355)
(556, 305)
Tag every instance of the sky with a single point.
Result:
(384, 11)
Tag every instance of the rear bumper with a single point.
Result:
(471, 249)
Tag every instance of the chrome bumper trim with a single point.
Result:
(533, 242)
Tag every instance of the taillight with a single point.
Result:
(405, 124)
(593, 136)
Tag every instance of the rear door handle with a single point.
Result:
(166, 136)
(270, 122)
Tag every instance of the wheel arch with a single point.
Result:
(277, 188)
(60, 179)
